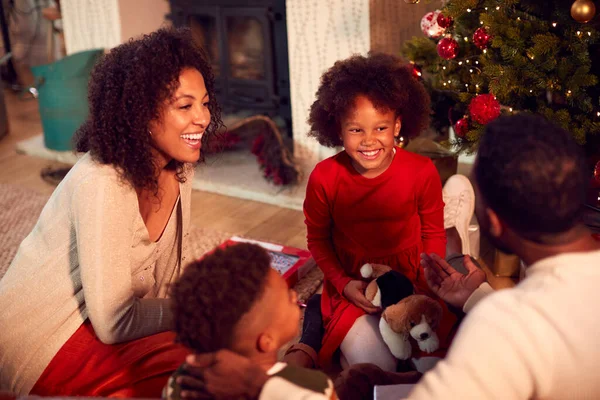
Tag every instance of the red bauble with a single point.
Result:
(430, 26)
(443, 21)
(447, 48)
(481, 38)
(461, 127)
(484, 108)
(417, 71)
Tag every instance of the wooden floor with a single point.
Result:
(212, 211)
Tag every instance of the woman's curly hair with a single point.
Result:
(384, 79)
(127, 90)
(214, 293)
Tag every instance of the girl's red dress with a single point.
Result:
(352, 220)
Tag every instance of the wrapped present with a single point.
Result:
(292, 263)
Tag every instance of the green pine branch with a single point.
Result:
(538, 60)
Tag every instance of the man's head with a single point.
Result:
(233, 299)
(530, 181)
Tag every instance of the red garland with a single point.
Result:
(257, 145)
(484, 108)
(273, 170)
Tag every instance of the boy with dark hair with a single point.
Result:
(232, 299)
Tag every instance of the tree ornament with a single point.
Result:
(461, 127)
(583, 11)
(447, 48)
(443, 21)
(484, 108)
(429, 25)
(417, 71)
(481, 38)
(412, 1)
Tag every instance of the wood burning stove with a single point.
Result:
(246, 41)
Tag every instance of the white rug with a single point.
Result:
(235, 174)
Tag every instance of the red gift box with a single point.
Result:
(292, 263)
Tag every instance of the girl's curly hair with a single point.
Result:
(127, 90)
(384, 79)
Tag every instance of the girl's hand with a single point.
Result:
(354, 292)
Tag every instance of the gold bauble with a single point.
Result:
(412, 1)
(583, 11)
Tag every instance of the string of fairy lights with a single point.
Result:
(468, 68)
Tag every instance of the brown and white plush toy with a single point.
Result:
(405, 314)
(388, 287)
(415, 317)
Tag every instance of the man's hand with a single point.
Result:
(222, 375)
(355, 293)
(449, 284)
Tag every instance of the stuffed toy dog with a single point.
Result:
(405, 315)
(388, 287)
(415, 317)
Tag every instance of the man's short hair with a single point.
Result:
(532, 174)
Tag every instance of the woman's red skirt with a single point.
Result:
(85, 366)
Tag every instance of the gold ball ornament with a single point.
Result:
(583, 11)
(412, 1)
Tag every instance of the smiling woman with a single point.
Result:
(184, 119)
(83, 304)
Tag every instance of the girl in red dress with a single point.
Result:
(371, 203)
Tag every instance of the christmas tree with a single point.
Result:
(483, 58)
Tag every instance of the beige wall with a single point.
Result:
(320, 32)
(141, 16)
(393, 22)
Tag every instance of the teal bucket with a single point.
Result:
(62, 96)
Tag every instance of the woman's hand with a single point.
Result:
(449, 284)
(221, 375)
(354, 292)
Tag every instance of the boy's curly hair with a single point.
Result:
(127, 89)
(384, 79)
(214, 293)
